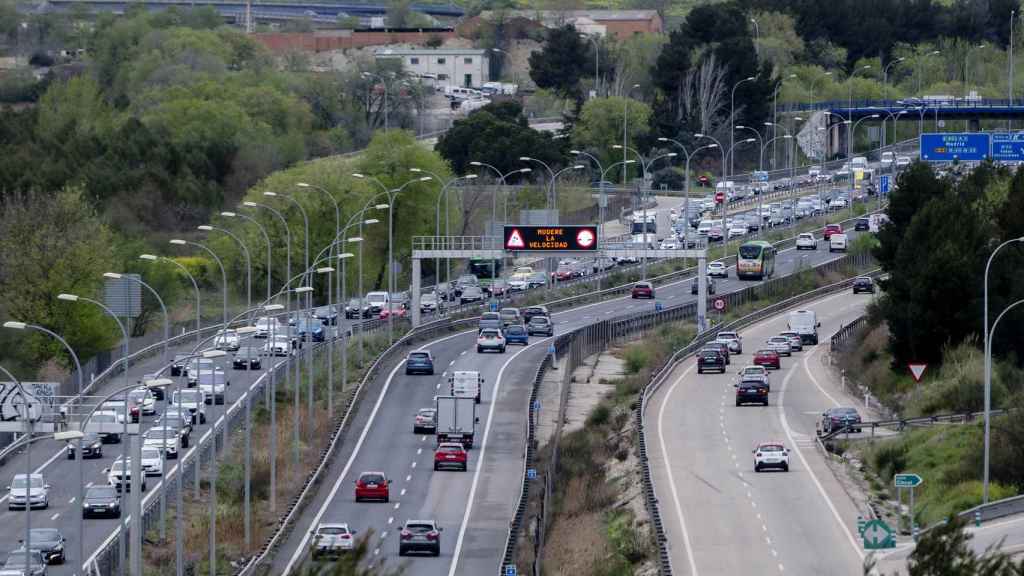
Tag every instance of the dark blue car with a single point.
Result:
(310, 329)
(516, 334)
(419, 362)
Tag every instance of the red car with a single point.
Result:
(372, 486)
(397, 309)
(768, 359)
(451, 455)
(831, 229)
(643, 290)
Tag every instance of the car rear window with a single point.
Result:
(418, 356)
(419, 528)
(450, 449)
(770, 448)
(332, 531)
(515, 330)
(372, 478)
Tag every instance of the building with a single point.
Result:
(468, 67)
(617, 23)
(328, 40)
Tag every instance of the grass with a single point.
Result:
(159, 557)
(947, 457)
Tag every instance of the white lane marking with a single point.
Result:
(409, 477)
(413, 464)
(668, 469)
(423, 439)
(383, 534)
(55, 516)
(72, 501)
(810, 374)
(814, 478)
(463, 353)
(452, 363)
(300, 550)
(483, 451)
(397, 504)
(391, 519)
(419, 451)
(376, 551)
(88, 484)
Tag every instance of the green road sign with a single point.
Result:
(877, 535)
(908, 480)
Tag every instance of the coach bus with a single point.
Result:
(756, 260)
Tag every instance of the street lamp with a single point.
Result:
(245, 252)
(988, 363)
(223, 273)
(885, 76)
(919, 73)
(732, 119)
(195, 286)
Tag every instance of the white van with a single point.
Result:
(460, 93)
(859, 163)
(888, 158)
(837, 243)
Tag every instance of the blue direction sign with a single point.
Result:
(760, 176)
(947, 147)
(510, 570)
(877, 535)
(908, 480)
(531, 473)
(1008, 147)
(884, 184)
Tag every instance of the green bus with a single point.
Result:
(484, 269)
(755, 261)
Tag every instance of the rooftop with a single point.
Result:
(430, 51)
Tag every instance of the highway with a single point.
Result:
(720, 516)
(473, 508)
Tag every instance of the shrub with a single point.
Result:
(599, 415)
(637, 357)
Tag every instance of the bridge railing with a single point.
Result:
(906, 103)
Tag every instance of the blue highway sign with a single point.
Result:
(962, 146)
(1008, 147)
(884, 183)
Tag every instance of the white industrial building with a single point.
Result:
(467, 67)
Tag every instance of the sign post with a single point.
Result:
(911, 481)
(917, 370)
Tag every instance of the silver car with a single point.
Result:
(781, 345)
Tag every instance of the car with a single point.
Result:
(101, 500)
(197, 365)
(425, 421)
(838, 203)
(716, 234)
(863, 284)
(92, 446)
(795, 342)
(109, 421)
(781, 345)
(265, 325)
(191, 400)
(429, 302)
(247, 358)
(531, 311)
(227, 340)
(902, 161)
(709, 359)
(464, 281)
(356, 309)
(862, 225)
(837, 243)
(152, 461)
(279, 345)
(756, 373)
(831, 229)
(119, 475)
(451, 455)
(536, 280)
(737, 230)
(373, 486)
(419, 362)
(331, 539)
(721, 347)
(490, 320)
(751, 392)
(420, 536)
(28, 490)
(16, 563)
(669, 244)
(718, 269)
(471, 294)
(695, 285)
(540, 326)
(806, 241)
(213, 386)
(396, 309)
(328, 315)
(490, 339)
(768, 359)
(47, 541)
(498, 288)
(180, 422)
(178, 364)
(517, 334)
(731, 339)
(564, 272)
(642, 290)
(835, 419)
(166, 441)
(141, 401)
(518, 284)
(771, 455)
(510, 316)
(309, 330)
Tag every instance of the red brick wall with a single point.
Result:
(626, 28)
(313, 42)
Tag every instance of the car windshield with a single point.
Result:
(186, 396)
(150, 454)
(101, 492)
(539, 320)
(771, 448)
(448, 448)
(19, 482)
(119, 465)
(429, 297)
(417, 528)
(489, 333)
(515, 330)
(372, 478)
(43, 535)
(845, 412)
(17, 559)
(753, 370)
(427, 412)
(332, 530)
(418, 356)
(157, 432)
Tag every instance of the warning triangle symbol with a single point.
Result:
(917, 370)
(515, 240)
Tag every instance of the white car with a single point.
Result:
(191, 400)
(732, 340)
(771, 455)
(331, 539)
(279, 345)
(227, 340)
(265, 325)
(156, 439)
(490, 339)
(518, 284)
(806, 241)
(718, 268)
(781, 345)
(902, 161)
(795, 342)
(144, 399)
(152, 463)
(737, 229)
(213, 385)
(197, 365)
(119, 475)
(755, 373)
(838, 203)
(669, 244)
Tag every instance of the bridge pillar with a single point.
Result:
(974, 124)
(414, 296)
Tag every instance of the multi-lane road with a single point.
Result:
(722, 517)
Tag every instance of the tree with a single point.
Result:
(561, 64)
(497, 134)
(600, 127)
(945, 551)
(353, 563)
(53, 243)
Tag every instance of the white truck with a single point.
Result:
(456, 420)
(466, 384)
(805, 323)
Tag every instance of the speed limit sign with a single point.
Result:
(719, 304)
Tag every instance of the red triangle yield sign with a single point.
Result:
(917, 370)
(515, 240)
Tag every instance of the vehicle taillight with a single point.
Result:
(432, 535)
(360, 484)
(346, 536)
(406, 534)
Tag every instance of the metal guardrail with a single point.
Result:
(838, 340)
(901, 424)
